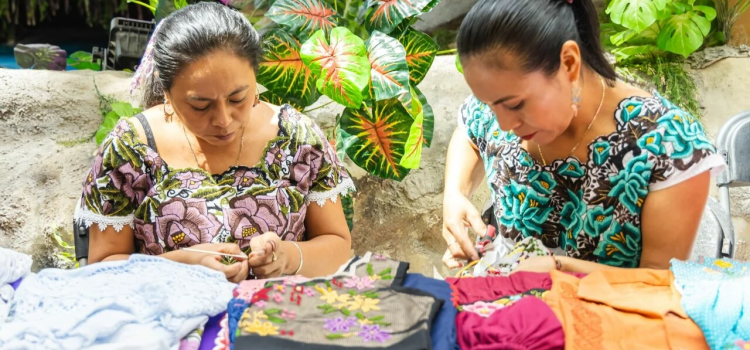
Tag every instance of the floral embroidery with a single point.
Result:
(723, 264)
(257, 324)
(482, 308)
(374, 333)
(340, 324)
(362, 303)
(280, 288)
(191, 179)
(278, 298)
(260, 295)
(359, 283)
(743, 344)
(290, 315)
(261, 304)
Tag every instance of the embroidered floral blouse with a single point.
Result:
(592, 210)
(130, 184)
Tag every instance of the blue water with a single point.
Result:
(7, 60)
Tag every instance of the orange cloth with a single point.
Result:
(622, 309)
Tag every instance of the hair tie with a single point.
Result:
(146, 68)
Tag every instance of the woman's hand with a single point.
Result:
(458, 214)
(544, 264)
(235, 273)
(267, 258)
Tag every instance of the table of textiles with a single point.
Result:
(373, 302)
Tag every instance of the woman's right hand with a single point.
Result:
(236, 272)
(459, 214)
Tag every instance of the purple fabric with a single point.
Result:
(528, 324)
(16, 284)
(210, 332)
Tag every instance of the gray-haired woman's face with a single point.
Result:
(214, 96)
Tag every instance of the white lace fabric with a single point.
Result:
(88, 218)
(13, 265)
(345, 187)
(75, 309)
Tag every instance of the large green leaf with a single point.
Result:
(380, 134)
(283, 72)
(420, 107)
(274, 99)
(420, 52)
(386, 15)
(342, 66)
(389, 71)
(304, 17)
(431, 5)
(110, 120)
(683, 34)
(635, 14)
(628, 52)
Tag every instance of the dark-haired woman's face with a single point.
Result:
(214, 96)
(535, 106)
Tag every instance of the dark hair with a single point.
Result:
(535, 31)
(191, 33)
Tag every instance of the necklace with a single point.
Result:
(242, 142)
(601, 103)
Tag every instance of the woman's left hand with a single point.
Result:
(267, 258)
(537, 264)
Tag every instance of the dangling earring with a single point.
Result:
(576, 99)
(257, 97)
(168, 114)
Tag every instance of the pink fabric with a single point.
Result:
(528, 324)
(469, 290)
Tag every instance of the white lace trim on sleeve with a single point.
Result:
(344, 188)
(88, 218)
(715, 163)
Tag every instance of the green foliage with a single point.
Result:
(673, 82)
(727, 15)
(363, 55)
(17, 13)
(68, 250)
(83, 60)
(655, 28)
(119, 110)
(111, 110)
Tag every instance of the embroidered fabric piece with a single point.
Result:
(606, 308)
(500, 261)
(716, 295)
(363, 309)
(88, 218)
(590, 210)
(490, 289)
(74, 309)
(343, 189)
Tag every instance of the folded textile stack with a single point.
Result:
(555, 311)
(370, 303)
(499, 258)
(142, 303)
(716, 295)
(13, 267)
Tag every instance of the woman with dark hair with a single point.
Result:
(210, 167)
(604, 174)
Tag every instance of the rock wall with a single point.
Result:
(41, 174)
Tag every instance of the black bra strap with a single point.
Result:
(147, 129)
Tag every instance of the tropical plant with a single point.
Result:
(657, 27)
(727, 15)
(83, 60)
(65, 254)
(364, 55)
(13, 13)
(161, 9)
(118, 110)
